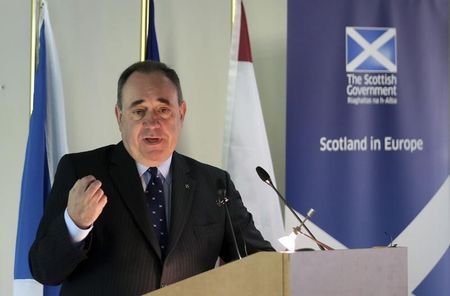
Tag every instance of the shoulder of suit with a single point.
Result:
(195, 165)
(98, 153)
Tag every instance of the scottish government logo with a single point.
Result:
(371, 65)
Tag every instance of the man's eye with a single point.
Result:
(138, 113)
(165, 112)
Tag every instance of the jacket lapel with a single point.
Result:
(183, 187)
(126, 178)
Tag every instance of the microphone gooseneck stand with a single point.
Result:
(266, 179)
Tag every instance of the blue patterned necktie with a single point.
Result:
(156, 205)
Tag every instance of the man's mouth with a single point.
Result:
(152, 140)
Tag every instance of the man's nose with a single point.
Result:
(151, 119)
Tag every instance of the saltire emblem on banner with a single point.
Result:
(371, 49)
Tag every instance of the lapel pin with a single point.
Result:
(187, 186)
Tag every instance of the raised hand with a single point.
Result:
(86, 201)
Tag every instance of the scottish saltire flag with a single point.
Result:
(368, 128)
(152, 52)
(371, 49)
(246, 145)
(46, 144)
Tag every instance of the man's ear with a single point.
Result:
(183, 109)
(118, 114)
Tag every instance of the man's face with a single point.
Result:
(151, 117)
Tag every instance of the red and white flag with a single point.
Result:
(246, 145)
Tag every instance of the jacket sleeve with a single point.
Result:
(53, 256)
(248, 237)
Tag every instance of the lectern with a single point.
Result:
(378, 271)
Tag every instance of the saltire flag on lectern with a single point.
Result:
(152, 52)
(246, 145)
(367, 142)
(47, 143)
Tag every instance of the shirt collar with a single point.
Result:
(163, 167)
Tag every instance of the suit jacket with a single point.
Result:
(121, 255)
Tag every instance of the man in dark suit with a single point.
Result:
(98, 233)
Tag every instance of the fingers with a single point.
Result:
(86, 201)
(94, 190)
(89, 187)
(84, 182)
(81, 185)
(97, 194)
(102, 201)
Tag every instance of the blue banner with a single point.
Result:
(367, 119)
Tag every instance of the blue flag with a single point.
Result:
(152, 52)
(46, 143)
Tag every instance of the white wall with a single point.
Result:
(96, 41)
(14, 102)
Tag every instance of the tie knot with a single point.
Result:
(153, 172)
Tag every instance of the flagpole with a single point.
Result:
(144, 27)
(32, 52)
(233, 11)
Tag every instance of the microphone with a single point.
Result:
(223, 201)
(266, 179)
